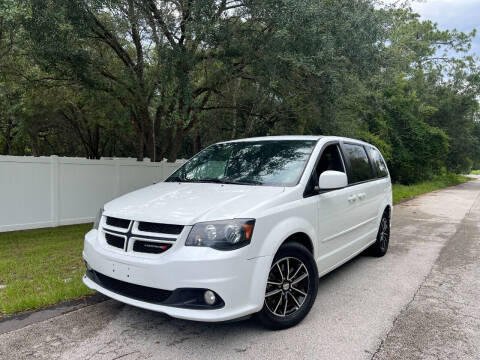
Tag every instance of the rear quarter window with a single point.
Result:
(378, 163)
(360, 169)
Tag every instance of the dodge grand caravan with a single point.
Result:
(245, 227)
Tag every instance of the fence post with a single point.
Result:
(54, 191)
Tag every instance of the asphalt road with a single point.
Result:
(419, 301)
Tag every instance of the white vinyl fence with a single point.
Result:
(50, 191)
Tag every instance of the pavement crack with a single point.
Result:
(452, 278)
(178, 341)
(122, 356)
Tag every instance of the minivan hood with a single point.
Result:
(189, 203)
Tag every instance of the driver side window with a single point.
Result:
(330, 159)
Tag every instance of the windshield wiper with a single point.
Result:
(225, 181)
(243, 182)
(210, 180)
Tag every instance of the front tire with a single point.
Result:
(292, 287)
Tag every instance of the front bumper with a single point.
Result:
(239, 281)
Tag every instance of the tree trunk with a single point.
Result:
(235, 111)
(165, 145)
(148, 134)
(6, 148)
(34, 143)
(96, 143)
(150, 144)
(250, 126)
(197, 144)
(8, 139)
(175, 148)
(139, 145)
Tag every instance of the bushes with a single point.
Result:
(416, 150)
(401, 192)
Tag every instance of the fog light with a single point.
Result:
(87, 266)
(209, 297)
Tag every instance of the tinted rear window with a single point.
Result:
(360, 169)
(378, 164)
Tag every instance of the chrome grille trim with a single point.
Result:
(131, 234)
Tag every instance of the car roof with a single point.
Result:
(273, 138)
(297, 137)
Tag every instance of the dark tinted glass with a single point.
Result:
(330, 160)
(359, 166)
(378, 164)
(251, 162)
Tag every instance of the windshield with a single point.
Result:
(272, 162)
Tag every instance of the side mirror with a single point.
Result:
(330, 180)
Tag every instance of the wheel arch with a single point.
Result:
(386, 207)
(295, 229)
(301, 238)
(388, 211)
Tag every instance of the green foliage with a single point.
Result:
(402, 192)
(419, 149)
(167, 78)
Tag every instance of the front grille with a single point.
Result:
(150, 247)
(160, 228)
(115, 240)
(137, 292)
(120, 223)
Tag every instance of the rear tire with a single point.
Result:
(380, 247)
(291, 287)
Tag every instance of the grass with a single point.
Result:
(475, 172)
(41, 267)
(401, 192)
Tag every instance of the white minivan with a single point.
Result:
(244, 227)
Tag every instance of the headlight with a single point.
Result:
(98, 218)
(222, 235)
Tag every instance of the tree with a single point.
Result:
(10, 93)
(170, 61)
(166, 78)
(161, 60)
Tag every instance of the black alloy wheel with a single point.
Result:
(291, 287)
(380, 247)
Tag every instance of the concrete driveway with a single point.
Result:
(419, 301)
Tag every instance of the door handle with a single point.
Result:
(361, 196)
(352, 198)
